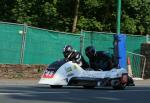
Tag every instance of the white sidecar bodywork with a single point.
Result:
(72, 74)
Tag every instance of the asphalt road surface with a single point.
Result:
(45, 94)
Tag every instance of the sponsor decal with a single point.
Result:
(49, 73)
(75, 67)
(69, 72)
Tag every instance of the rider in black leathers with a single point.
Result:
(72, 55)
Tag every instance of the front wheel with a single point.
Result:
(88, 87)
(56, 86)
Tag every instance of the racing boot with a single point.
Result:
(130, 81)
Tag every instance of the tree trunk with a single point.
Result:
(75, 16)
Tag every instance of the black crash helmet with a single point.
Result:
(90, 51)
(67, 50)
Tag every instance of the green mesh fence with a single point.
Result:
(44, 46)
(133, 43)
(40, 46)
(10, 43)
(104, 42)
(101, 41)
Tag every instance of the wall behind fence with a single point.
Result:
(40, 46)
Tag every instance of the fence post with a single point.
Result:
(147, 38)
(91, 38)
(81, 42)
(23, 43)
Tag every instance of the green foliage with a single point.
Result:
(96, 15)
(137, 16)
(129, 25)
(93, 3)
(89, 24)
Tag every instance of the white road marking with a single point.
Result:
(130, 91)
(108, 98)
(11, 93)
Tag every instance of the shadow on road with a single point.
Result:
(77, 94)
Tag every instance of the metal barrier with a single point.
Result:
(138, 63)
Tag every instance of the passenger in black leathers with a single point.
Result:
(99, 60)
(72, 55)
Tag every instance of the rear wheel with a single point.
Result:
(56, 86)
(120, 87)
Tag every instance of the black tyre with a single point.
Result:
(88, 87)
(130, 81)
(56, 86)
(119, 87)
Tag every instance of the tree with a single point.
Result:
(137, 12)
(5, 10)
(75, 15)
(92, 15)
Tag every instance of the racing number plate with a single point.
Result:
(49, 73)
